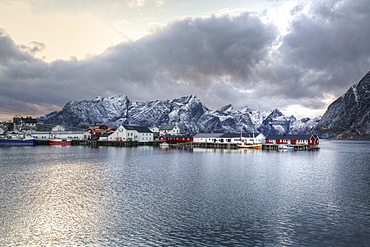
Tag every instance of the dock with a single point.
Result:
(95, 143)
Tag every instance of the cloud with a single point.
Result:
(33, 47)
(223, 59)
(324, 52)
(135, 3)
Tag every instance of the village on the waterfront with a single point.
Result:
(25, 131)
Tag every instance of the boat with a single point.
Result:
(286, 147)
(251, 145)
(16, 139)
(60, 141)
(164, 145)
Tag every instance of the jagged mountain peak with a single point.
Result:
(188, 112)
(111, 98)
(247, 109)
(275, 113)
(226, 108)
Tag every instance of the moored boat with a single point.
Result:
(16, 139)
(251, 145)
(164, 145)
(248, 144)
(59, 141)
(286, 147)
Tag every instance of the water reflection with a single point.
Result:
(145, 196)
(61, 202)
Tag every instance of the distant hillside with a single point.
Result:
(188, 112)
(348, 117)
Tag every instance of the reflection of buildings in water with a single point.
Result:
(214, 150)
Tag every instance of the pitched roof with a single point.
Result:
(142, 129)
(128, 127)
(105, 134)
(167, 127)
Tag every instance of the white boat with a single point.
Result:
(286, 147)
(244, 144)
(17, 139)
(164, 145)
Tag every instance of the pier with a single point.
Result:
(95, 143)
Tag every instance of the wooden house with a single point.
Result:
(229, 138)
(169, 130)
(131, 133)
(74, 135)
(293, 139)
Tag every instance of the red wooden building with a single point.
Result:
(97, 131)
(175, 138)
(293, 139)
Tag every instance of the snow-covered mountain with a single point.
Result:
(188, 112)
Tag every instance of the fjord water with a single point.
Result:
(146, 196)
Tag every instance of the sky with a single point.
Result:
(294, 55)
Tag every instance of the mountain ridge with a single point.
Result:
(348, 117)
(188, 112)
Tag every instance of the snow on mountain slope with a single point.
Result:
(349, 115)
(188, 112)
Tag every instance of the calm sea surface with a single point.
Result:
(146, 196)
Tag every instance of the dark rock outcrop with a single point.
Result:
(348, 117)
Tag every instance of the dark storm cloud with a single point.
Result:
(194, 50)
(325, 51)
(221, 59)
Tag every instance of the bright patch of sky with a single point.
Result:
(84, 28)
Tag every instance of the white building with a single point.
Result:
(229, 138)
(144, 134)
(104, 137)
(3, 129)
(131, 133)
(123, 133)
(207, 137)
(251, 138)
(74, 135)
(154, 129)
(169, 130)
(58, 128)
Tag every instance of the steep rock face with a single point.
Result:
(303, 126)
(226, 119)
(111, 111)
(275, 123)
(117, 110)
(349, 115)
(184, 112)
(188, 112)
